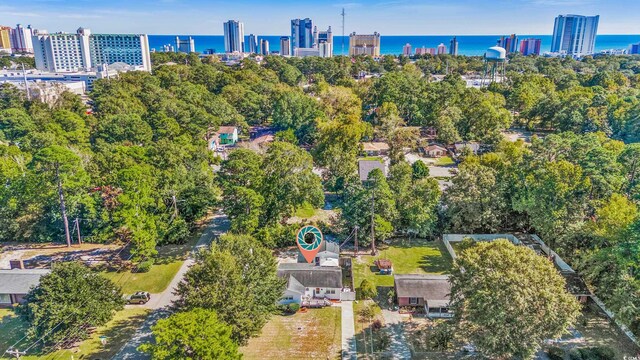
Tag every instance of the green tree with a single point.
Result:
(196, 334)
(473, 202)
(420, 170)
(67, 302)
(508, 300)
(237, 279)
(288, 182)
(243, 206)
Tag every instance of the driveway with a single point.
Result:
(160, 303)
(394, 322)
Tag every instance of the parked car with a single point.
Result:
(139, 298)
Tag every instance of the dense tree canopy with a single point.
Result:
(508, 300)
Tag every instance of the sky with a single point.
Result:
(388, 17)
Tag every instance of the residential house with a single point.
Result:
(16, 283)
(308, 284)
(430, 292)
(328, 255)
(375, 148)
(366, 166)
(473, 146)
(434, 151)
(225, 136)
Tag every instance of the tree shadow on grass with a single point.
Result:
(436, 263)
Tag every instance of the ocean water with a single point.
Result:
(467, 44)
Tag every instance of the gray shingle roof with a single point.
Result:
(366, 166)
(312, 276)
(19, 281)
(434, 289)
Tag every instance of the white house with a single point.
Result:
(328, 255)
(307, 282)
(225, 136)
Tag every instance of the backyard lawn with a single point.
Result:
(117, 331)
(315, 334)
(408, 257)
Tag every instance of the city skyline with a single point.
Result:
(394, 17)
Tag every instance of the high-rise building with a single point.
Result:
(64, 52)
(634, 49)
(574, 35)
(264, 47)
(253, 44)
(285, 46)
(5, 39)
(530, 46)
(185, 45)
(364, 44)
(21, 39)
(324, 42)
(509, 43)
(233, 36)
(301, 34)
(442, 49)
(453, 47)
(425, 50)
(406, 49)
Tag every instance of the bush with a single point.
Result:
(377, 325)
(592, 353)
(441, 337)
(368, 289)
(144, 266)
(603, 352)
(555, 353)
(293, 308)
(575, 354)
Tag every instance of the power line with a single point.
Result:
(60, 322)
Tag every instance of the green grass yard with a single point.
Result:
(306, 211)
(408, 257)
(154, 281)
(315, 334)
(117, 331)
(444, 161)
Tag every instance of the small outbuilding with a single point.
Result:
(384, 266)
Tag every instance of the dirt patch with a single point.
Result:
(41, 255)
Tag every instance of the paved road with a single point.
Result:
(160, 303)
(399, 348)
(348, 332)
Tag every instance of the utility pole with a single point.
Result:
(63, 209)
(16, 353)
(356, 239)
(78, 229)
